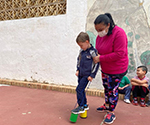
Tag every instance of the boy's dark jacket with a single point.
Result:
(85, 63)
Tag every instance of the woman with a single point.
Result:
(111, 44)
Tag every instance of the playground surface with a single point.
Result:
(26, 106)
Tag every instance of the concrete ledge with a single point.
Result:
(60, 88)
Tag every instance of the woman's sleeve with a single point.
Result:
(119, 48)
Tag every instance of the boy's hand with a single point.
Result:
(120, 88)
(145, 85)
(90, 78)
(77, 73)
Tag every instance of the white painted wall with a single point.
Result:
(146, 6)
(44, 48)
(90, 4)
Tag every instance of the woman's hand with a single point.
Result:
(96, 59)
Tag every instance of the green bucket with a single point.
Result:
(73, 117)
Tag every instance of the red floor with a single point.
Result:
(25, 106)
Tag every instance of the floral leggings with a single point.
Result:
(111, 84)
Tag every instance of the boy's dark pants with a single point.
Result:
(140, 91)
(81, 95)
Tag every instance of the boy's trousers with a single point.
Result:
(81, 95)
(126, 91)
(140, 91)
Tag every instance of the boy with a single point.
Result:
(148, 103)
(139, 86)
(86, 70)
(124, 88)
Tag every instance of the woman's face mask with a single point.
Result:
(102, 33)
(102, 29)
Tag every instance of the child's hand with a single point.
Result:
(77, 73)
(145, 85)
(120, 88)
(90, 78)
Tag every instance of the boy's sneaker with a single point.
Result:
(127, 101)
(142, 103)
(102, 108)
(110, 117)
(86, 107)
(135, 102)
(78, 110)
(148, 103)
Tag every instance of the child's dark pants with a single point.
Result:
(139, 91)
(81, 95)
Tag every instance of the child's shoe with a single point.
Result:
(86, 107)
(78, 110)
(148, 103)
(102, 108)
(135, 101)
(142, 102)
(127, 101)
(110, 117)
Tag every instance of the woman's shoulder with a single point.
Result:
(118, 30)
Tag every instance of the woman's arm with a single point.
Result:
(119, 48)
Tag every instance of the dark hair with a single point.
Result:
(82, 37)
(105, 19)
(144, 68)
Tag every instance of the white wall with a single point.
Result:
(90, 4)
(44, 48)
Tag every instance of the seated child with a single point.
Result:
(148, 103)
(124, 88)
(86, 70)
(140, 86)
